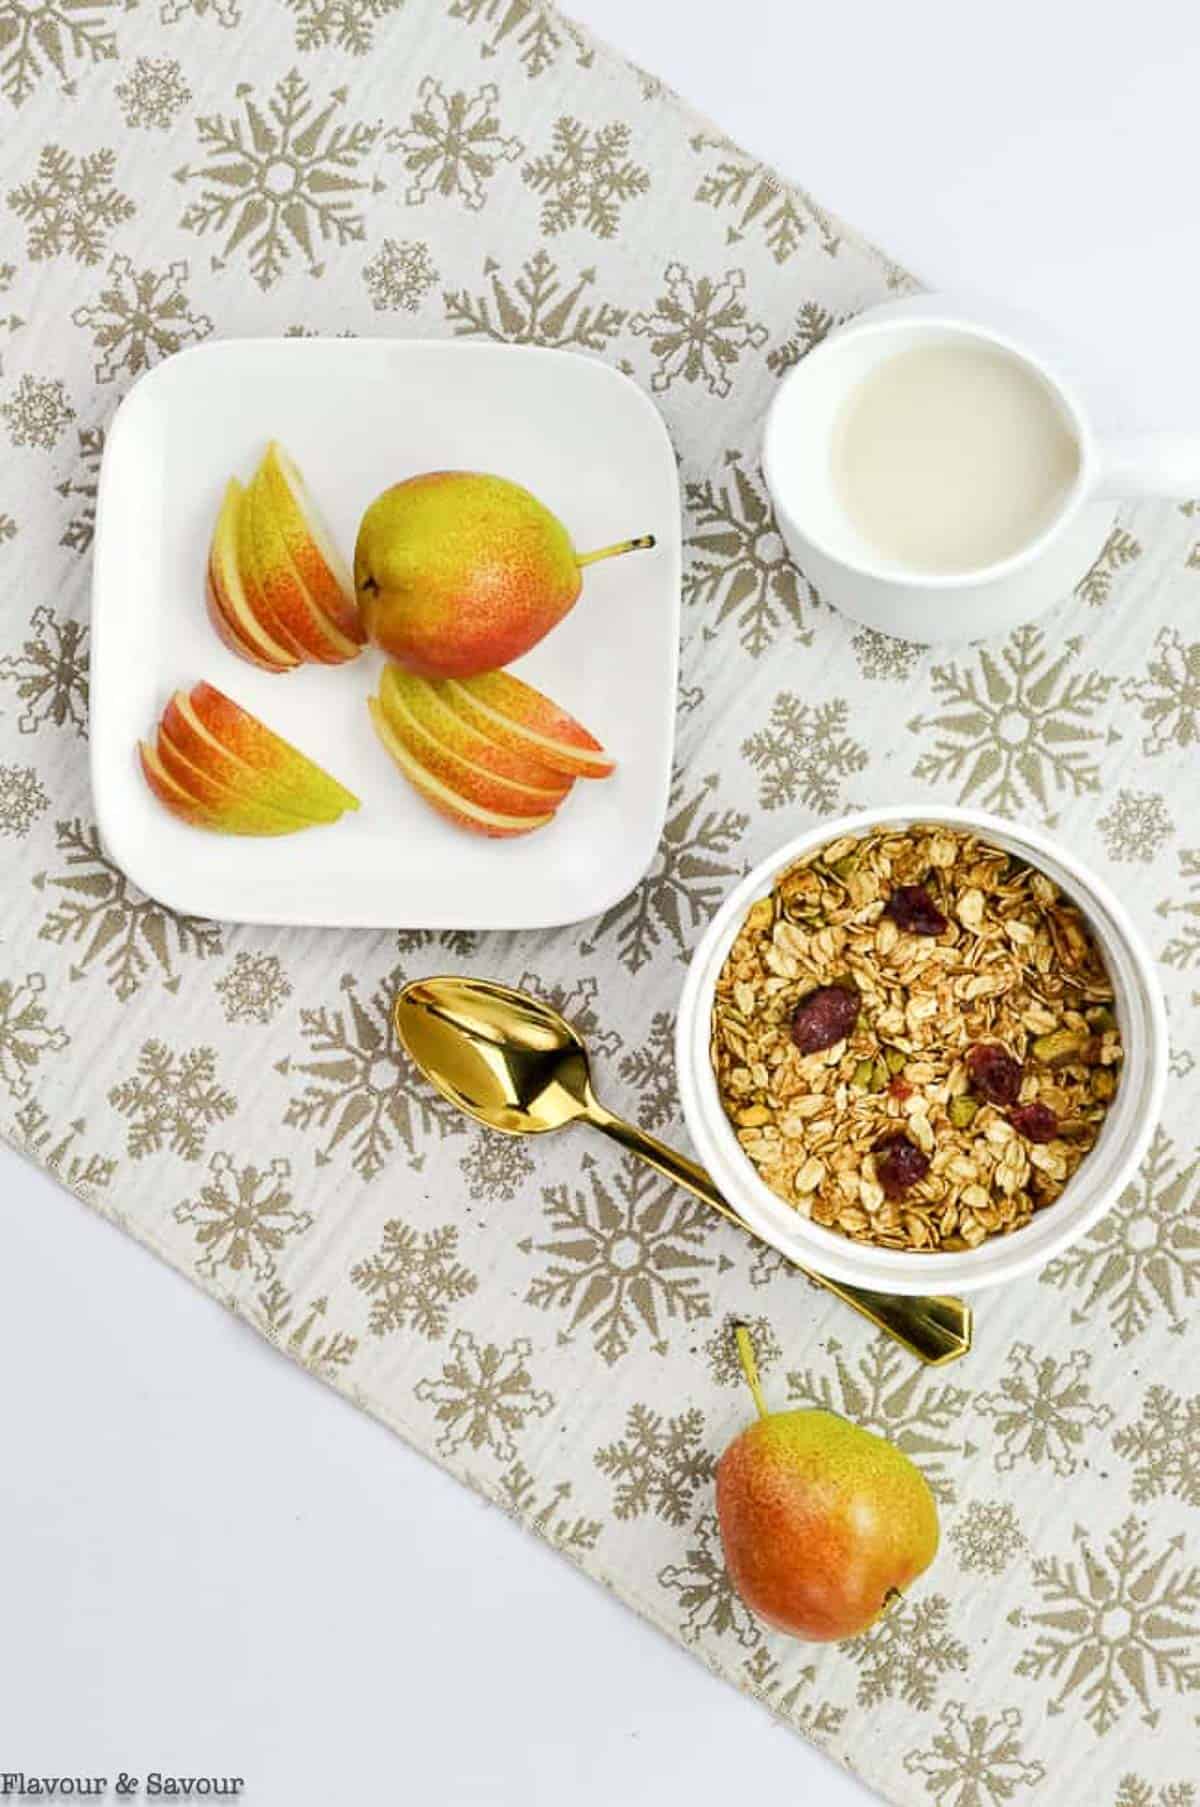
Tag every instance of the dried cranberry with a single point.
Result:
(825, 1016)
(1036, 1122)
(911, 907)
(993, 1073)
(900, 1088)
(899, 1164)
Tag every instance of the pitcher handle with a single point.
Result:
(1150, 464)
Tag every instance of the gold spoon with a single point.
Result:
(516, 1065)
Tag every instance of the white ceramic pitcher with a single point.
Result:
(938, 607)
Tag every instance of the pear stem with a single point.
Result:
(745, 1349)
(639, 545)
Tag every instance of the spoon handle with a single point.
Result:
(936, 1329)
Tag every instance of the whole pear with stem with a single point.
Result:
(460, 572)
(823, 1524)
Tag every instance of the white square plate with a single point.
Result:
(358, 415)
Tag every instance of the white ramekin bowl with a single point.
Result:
(1091, 1189)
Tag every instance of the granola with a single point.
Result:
(914, 1038)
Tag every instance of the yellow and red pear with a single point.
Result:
(230, 607)
(458, 572)
(518, 716)
(823, 1524)
(447, 801)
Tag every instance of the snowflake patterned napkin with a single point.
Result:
(551, 1322)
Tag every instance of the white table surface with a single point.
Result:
(171, 1487)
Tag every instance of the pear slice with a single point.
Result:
(274, 575)
(229, 606)
(447, 802)
(236, 816)
(310, 545)
(247, 738)
(455, 765)
(517, 765)
(289, 792)
(517, 715)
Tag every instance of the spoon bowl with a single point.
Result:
(505, 1058)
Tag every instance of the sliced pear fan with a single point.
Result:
(216, 766)
(279, 593)
(440, 796)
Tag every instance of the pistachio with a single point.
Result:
(1059, 1047)
(962, 1111)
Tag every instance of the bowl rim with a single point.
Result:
(999, 1259)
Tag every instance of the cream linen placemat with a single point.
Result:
(549, 1322)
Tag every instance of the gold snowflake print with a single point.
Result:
(83, 482)
(626, 1256)
(738, 568)
(907, 1653)
(803, 753)
(303, 1332)
(649, 1067)
(536, 31)
(242, 1217)
(109, 923)
(754, 199)
(453, 145)
(59, 1151)
(975, 1760)
(781, 1688)
(359, 1089)
(699, 329)
(721, 1350)
(172, 1101)
(1183, 949)
(340, 24)
(26, 1033)
(496, 1166)
(1135, 826)
(882, 658)
(280, 178)
(50, 673)
(70, 205)
(254, 988)
(707, 1599)
(886, 1394)
(22, 799)
(987, 1537)
(586, 177)
(1163, 1444)
(1016, 727)
(413, 1278)
(1119, 551)
(37, 412)
(225, 13)
(547, 1514)
(484, 1396)
(40, 37)
(813, 323)
(1135, 1791)
(1118, 1625)
(691, 872)
(658, 1465)
(539, 306)
(1043, 1410)
(139, 317)
(400, 275)
(153, 94)
(1169, 694)
(1143, 1257)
